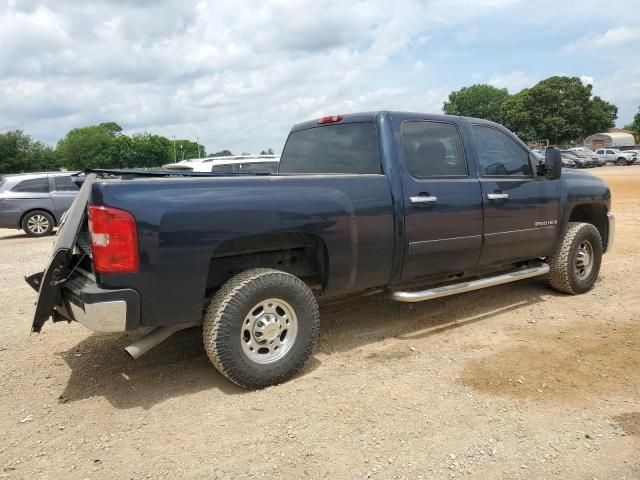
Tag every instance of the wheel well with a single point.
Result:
(55, 222)
(594, 214)
(300, 254)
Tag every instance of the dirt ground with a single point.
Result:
(513, 382)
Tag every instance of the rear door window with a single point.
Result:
(34, 185)
(65, 184)
(344, 148)
(433, 149)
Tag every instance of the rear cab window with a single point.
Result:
(33, 185)
(347, 148)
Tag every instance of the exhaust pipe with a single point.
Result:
(154, 338)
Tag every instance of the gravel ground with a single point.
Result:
(513, 382)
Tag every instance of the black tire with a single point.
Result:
(232, 306)
(565, 274)
(38, 223)
(621, 162)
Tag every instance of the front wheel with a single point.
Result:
(261, 327)
(622, 162)
(576, 264)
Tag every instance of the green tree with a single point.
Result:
(222, 153)
(480, 101)
(20, 153)
(186, 150)
(558, 108)
(635, 126)
(517, 116)
(269, 151)
(600, 117)
(121, 151)
(89, 147)
(149, 150)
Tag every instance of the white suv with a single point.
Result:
(613, 155)
(234, 164)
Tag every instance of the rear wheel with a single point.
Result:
(38, 223)
(261, 327)
(576, 264)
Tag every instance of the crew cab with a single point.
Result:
(411, 205)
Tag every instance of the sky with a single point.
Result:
(238, 74)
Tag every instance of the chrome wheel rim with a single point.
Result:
(269, 331)
(584, 260)
(38, 224)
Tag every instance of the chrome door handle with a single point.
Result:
(423, 199)
(497, 196)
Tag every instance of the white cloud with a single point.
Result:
(586, 80)
(513, 81)
(611, 38)
(235, 73)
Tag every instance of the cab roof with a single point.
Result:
(362, 117)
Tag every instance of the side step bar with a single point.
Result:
(462, 287)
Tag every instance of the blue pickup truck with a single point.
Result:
(414, 206)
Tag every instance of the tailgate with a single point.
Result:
(49, 283)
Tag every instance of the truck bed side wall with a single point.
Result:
(181, 223)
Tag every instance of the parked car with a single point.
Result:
(35, 202)
(613, 155)
(635, 154)
(234, 164)
(581, 161)
(588, 155)
(566, 161)
(418, 206)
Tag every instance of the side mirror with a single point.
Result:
(552, 163)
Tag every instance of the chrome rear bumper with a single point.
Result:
(99, 309)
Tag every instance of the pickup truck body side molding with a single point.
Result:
(529, 235)
(437, 292)
(472, 242)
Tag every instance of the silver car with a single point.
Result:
(35, 202)
(613, 155)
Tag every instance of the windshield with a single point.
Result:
(343, 148)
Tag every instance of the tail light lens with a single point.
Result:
(114, 240)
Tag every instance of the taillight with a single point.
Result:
(114, 240)
(331, 119)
